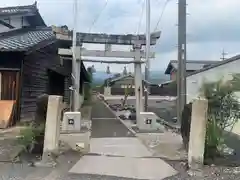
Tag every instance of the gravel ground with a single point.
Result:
(9, 171)
(207, 173)
(167, 110)
(91, 177)
(24, 172)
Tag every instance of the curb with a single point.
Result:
(129, 128)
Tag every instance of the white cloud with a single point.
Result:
(211, 25)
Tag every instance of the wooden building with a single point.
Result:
(29, 63)
(118, 85)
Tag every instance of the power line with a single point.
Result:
(141, 16)
(160, 18)
(98, 16)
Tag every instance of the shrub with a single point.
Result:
(29, 136)
(223, 113)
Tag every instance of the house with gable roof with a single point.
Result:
(29, 64)
(191, 66)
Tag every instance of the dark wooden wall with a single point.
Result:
(163, 91)
(35, 79)
(121, 91)
(11, 60)
(67, 81)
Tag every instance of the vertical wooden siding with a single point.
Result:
(9, 85)
(35, 78)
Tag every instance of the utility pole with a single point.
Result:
(147, 66)
(181, 72)
(76, 65)
(223, 55)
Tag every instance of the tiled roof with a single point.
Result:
(30, 12)
(190, 65)
(113, 80)
(120, 78)
(18, 10)
(25, 40)
(219, 63)
(194, 65)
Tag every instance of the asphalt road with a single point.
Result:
(105, 123)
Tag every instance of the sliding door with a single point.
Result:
(9, 87)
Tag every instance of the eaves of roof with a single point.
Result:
(31, 12)
(220, 63)
(191, 65)
(26, 39)
(120, 78)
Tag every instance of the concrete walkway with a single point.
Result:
(116, 152)
(122, 157)
(105, 124)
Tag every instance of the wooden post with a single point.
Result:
(197, 133)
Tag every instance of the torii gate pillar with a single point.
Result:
(76, 71)
(138, 84)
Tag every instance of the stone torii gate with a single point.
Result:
(137, 54)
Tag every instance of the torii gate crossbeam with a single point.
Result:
(137, 41)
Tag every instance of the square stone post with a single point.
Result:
(138, 84)
(107, 91)
(52, 129)
(197, 133)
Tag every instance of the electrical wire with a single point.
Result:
(140, 19)
(98, 16)
(160, 18)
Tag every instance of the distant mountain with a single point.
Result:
(156, 77)
(100, 76)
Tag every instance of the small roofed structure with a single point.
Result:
(191, 66)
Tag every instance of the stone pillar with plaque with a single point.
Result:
(71, 122)
(148, 121)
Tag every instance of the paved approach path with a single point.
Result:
(105, 124)
(116, 152)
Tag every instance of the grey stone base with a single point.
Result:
(137, 130)
(83, 130)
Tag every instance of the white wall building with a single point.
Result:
(223, 69)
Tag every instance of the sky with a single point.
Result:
(212, 25)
